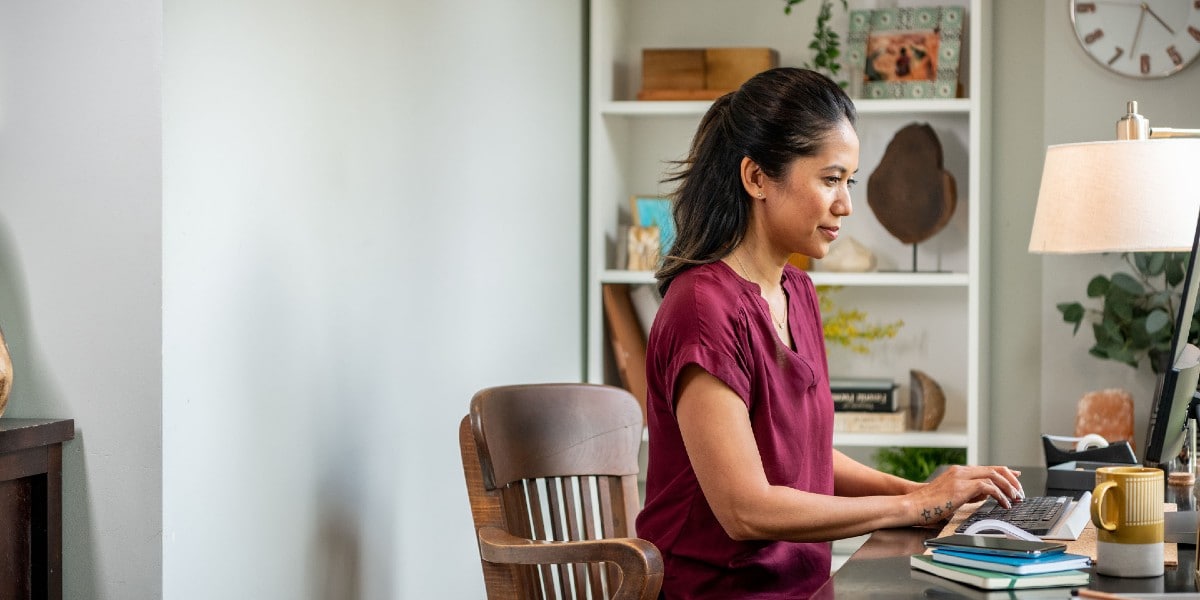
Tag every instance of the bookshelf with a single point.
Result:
(943, 305)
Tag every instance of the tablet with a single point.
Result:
(986, 544)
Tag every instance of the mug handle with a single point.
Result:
(1098, 506)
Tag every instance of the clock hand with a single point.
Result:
(1138, 33)
(1156, 18)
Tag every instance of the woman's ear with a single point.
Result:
(753, 179)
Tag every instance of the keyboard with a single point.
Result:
(1036, 514)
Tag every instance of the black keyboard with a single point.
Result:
(1036, 514)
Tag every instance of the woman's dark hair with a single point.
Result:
(775, 117)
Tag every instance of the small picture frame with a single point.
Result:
(907, 52)
(654, 211)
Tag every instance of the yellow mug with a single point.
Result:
(1127, 509)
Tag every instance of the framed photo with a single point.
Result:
(654, 211)
(907, 52)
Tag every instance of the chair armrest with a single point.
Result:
(640, 562)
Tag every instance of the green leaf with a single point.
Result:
(1157, 321)
(1098, 286)
(1072, 312)
(1126, 282)
(1151, 264)
(1175, 268)
(1118, 305)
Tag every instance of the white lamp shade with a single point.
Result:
(1118, 196)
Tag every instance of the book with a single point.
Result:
(1062, 561)
(995, 580)
(863, 395)
(940, 587)
(869, 422)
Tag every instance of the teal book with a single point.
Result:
(1013, 565)
(995, 580)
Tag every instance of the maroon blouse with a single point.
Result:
(713, 318)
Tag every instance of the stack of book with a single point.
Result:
(864, 405)
(996, 572)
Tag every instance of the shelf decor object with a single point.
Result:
(907, 52)
(700, 73)
(926, 402)
(647, 211)
(911, 193)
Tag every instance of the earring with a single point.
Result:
(761, 196)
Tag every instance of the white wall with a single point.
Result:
(1014, 342)
(80, 282)
(371, 210)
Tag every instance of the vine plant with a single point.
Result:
(826, 44)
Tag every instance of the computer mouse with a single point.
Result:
(986, 526)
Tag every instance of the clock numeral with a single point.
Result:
(1093, 36)
(1145, 64)
(1175, 57)
(1120, 52)
(1195, 32)
(1090, 7)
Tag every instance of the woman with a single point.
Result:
(744, 488)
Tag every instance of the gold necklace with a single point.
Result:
(780, 324)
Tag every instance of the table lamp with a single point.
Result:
(1138, 193)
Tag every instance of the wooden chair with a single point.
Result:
(551, 472)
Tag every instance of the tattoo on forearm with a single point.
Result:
(937, 513)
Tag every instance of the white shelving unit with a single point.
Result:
(942, 305)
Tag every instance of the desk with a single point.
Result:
(31, 507)
(880, 567)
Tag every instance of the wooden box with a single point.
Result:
(700, 73)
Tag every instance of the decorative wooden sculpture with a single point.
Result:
(910, 193)
(926, 402)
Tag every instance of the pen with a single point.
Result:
(1087, 593)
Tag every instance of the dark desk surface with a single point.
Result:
(880, 567)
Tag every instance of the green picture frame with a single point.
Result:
(912, 52)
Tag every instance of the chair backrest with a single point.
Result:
(552, 462)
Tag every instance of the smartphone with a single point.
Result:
(986, 544)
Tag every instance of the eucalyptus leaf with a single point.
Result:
(1097, 287)
(1157, 320)
(1127, 283)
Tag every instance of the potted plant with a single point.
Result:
(1137, 312)
(917, 464)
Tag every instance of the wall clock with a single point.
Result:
(1142, 39)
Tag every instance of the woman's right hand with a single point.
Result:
(937, 500)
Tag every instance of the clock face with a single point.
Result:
(1143, 39)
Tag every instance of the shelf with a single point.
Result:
(950, 438)
(825, 278)
(668, 108)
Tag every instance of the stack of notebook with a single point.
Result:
(995, 572)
